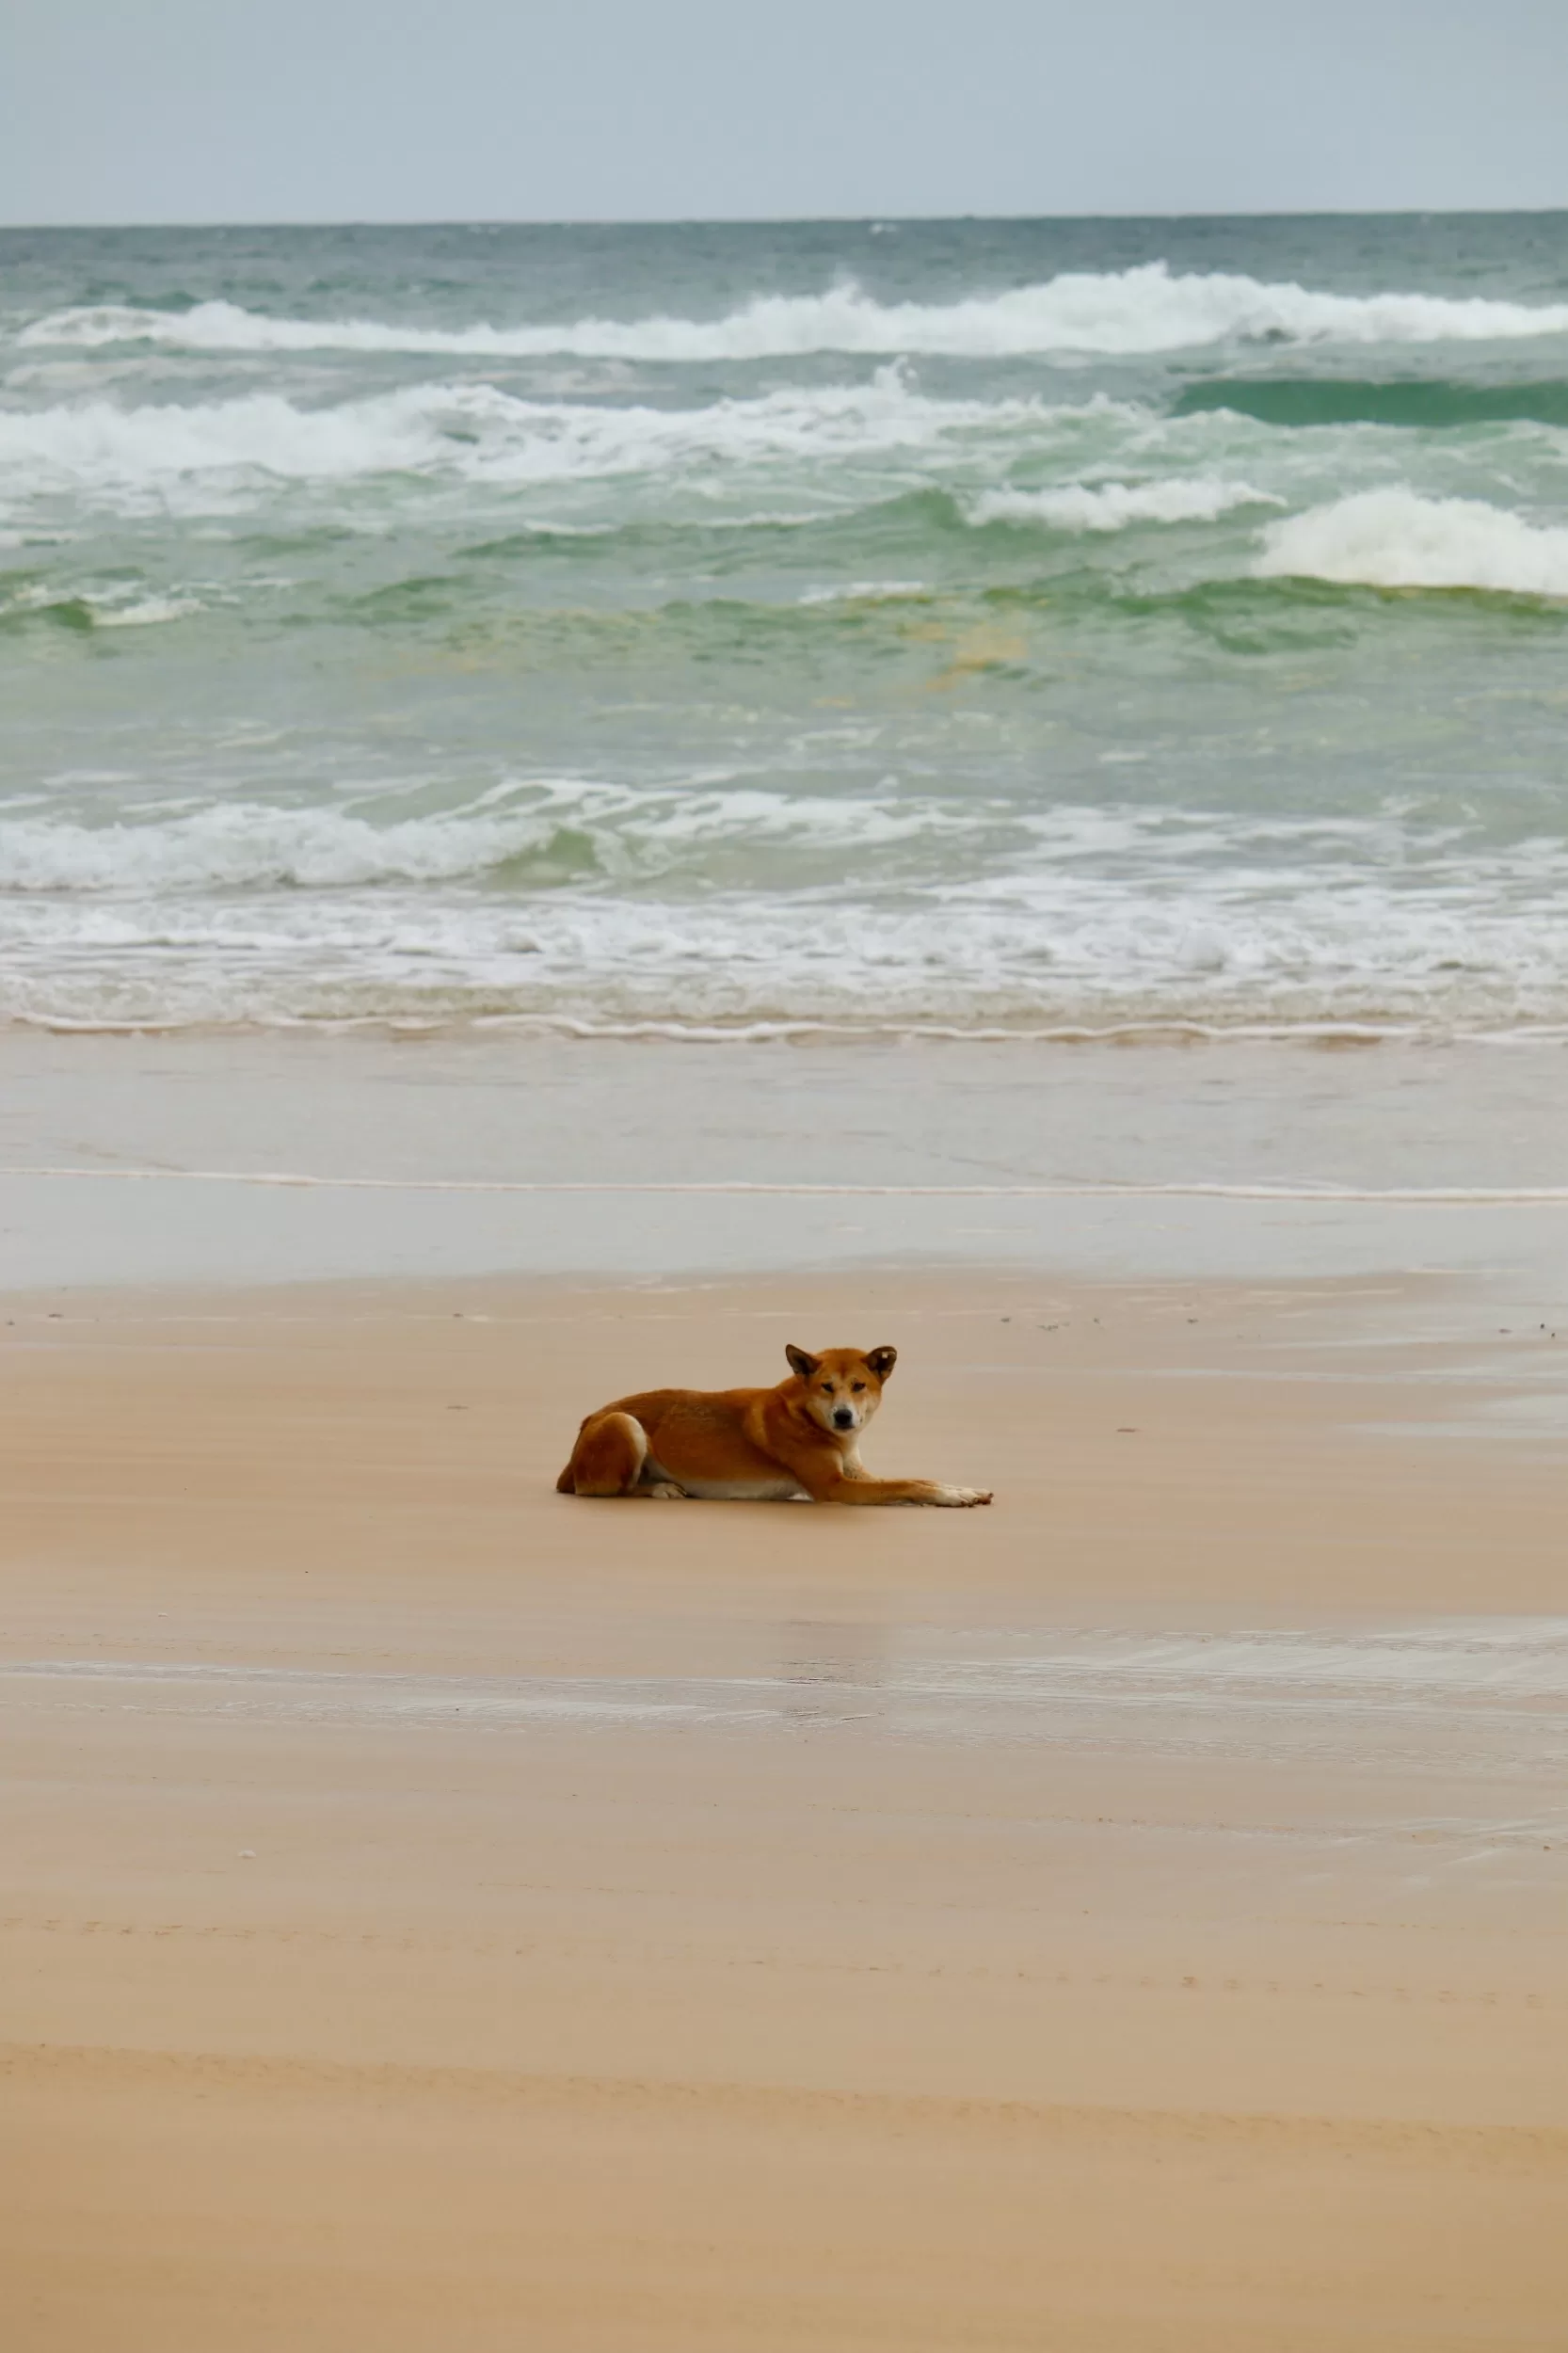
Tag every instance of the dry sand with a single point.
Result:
(442, 1914)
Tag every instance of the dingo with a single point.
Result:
(785, 1445)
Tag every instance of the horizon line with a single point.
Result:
(793, 220)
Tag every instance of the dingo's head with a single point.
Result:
(843, 1387)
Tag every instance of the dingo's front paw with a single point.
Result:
(667, 1492)
(964, 1498)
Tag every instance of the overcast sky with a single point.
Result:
(234, 110)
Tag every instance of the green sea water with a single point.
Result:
(1039, 627)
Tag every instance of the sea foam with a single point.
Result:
(480, 433)
(1393, 538)
(1084, 917)
(1113, 505)
(1147, 308)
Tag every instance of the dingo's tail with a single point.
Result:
(607, 1458)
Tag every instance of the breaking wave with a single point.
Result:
(479, 433)
(569, 826)
(1147, 308)
(724, 906)
(1395, 539)
(1113, 505)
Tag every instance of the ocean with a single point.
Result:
(1009, 627)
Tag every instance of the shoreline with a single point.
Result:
(191, 1160)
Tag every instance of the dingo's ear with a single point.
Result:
(801, 1361)
(882, 1361)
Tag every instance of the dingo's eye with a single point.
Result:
(856, 1385)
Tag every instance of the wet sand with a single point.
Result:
(440, 1911)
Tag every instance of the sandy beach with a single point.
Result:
(440, 1911)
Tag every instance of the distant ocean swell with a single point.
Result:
(1150, 308)
(923, 640)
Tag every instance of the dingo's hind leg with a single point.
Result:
(608, 1457)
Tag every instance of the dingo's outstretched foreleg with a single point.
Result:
(852, 1487)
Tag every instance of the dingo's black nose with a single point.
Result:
(844, 1417)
